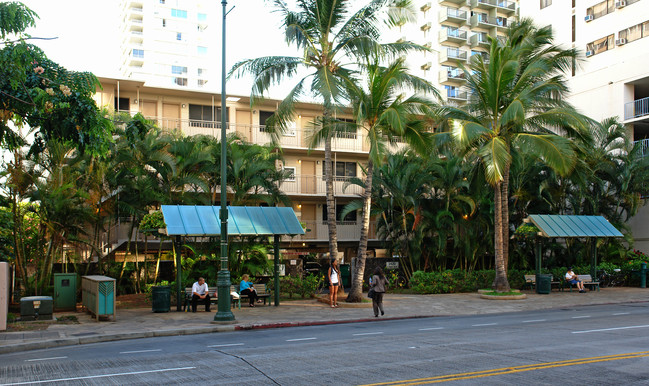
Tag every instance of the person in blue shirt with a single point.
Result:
(246, 288)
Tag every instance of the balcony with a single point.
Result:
(314, 185)
(347, 231)
(135, 13)
(636, 109)
(452, 55)
(479, 40)
(484, 21)
(136, 37)
(508, 7)
(484, 55)
(458, 2)
(457, 36)
(644, 146)
(453, 15)
(455, 95)
(451, 75)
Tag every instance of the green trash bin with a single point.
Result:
(161, 298)
(543, 284)
(345, 272)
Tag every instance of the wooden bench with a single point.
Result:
(530, 282)
(188, 298)
(587, 280)
(262, 294)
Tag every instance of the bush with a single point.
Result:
(290, 285)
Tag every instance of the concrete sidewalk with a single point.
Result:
(142, 322)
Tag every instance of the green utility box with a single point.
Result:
(65, 291)
(98, 295)
(543, 284)
(345, 272)
(36, 308)
(161, 298)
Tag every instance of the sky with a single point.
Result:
(85, 33)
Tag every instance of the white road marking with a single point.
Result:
(610, 329)
(299, 339)
(622, 313)
(581, 317)
(139, 351)
(44, 359)
(226, 345)
(534, 320)
(431, 328)
(368, 333)
(484, 324)
(98, 376)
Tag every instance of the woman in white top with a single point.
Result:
(334, 281)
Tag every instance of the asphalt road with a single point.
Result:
(596, 345)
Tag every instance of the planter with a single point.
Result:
(503, 297)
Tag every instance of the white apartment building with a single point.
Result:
(454, 30)
(166, 42)
(612, 78)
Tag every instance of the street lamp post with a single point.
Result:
(224, 314)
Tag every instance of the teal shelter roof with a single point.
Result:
(196, 220)
(573, 226)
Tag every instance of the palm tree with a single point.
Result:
(329, 36)
(386, 114)
(517, 100)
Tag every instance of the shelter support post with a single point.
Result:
(537, 252)
(276, 268)
(179, 267)
(593, 258)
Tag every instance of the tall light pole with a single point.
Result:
(224, 314)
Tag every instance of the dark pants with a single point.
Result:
(252, 295)
(377, 303)
(196, 299)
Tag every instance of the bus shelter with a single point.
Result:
(204, 221)
(567, 226)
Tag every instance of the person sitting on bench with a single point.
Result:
(574, 279)
(200, 292)
(246, 288)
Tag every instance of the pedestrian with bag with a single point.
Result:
(378, 285)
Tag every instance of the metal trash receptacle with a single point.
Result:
(543, 284)
(345, 272)
(161, 298)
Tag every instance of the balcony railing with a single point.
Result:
(636, 109)
(644, 146)
(315, 185)
(347, 231)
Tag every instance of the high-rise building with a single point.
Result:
(612, 77)
(455, 30)
(165, 42)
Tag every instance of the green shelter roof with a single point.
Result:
(573, 226)
(197, 220)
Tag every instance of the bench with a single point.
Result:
(587, 280)
(530, 281)
(262, 294)
(188, 298)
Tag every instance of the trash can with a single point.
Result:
(345, 272)
(161, 298)
(543, 284)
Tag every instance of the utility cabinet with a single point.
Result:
(36, 308)
(98, 295)
(65, 291)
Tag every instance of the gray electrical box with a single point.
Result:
(36, 308)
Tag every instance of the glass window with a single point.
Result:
(122, 104)
(180, 13)
(545, 3)
(601, 45)
(178, 70)
(203, 116)
(202, 17)
(179, 36)
(264, 115)
(164, 23)
(201, 82)
(202, 50)
(202, 71)
(180, 81)
(138, 53)
(351, 217)
(291, 171)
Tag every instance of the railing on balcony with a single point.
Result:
(347, 231)
(315, 184)
(456, 53)
(644, 146)
(636, 109)
(456, 13)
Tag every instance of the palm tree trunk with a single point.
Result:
(500, 281)
(128, 250)
(331, 203)
(356, 292)
(504, 197)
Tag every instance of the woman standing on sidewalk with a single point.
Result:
(379, 283)
(334, 281)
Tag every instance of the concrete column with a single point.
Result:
(4, 294)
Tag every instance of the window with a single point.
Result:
(180, 81)
(204, 116)
(291, 171)
(178, 70)
(180, 13)
(601, 9)
(202, 71)
(636, 32)
(351, 217)
(263, 117)
(546, 3)
(201, 82)
(162, 1)
(202, 17)
(123, 104)
(342, 170)
(179, 36)
(202, 50)
(138, 53)
(164, 23)
(600, 45)
(574, 31)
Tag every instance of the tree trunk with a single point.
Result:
(500, 281)
(504, 197)
(356, 292)
(128, 250)
(331, 203)
(18, 245)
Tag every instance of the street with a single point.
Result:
(591, 345)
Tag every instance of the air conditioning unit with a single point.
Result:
(590, 53)
(620, 4)
(589, 18)
(620, 42)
